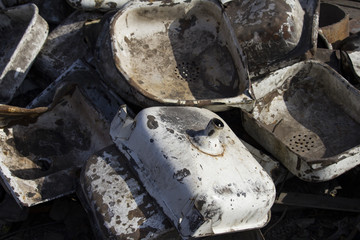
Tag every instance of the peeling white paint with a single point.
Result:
(118, 202)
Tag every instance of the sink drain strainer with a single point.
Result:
(44, 163)
(188, 71)
(302, 143)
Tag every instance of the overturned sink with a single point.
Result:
(203, 177)
(39, 158)
(117, 204)
(153, 53)
(308, 117)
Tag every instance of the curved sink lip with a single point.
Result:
(36, 33)
(338, 28)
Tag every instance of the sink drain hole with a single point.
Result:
(188, 71)
(44, 163)
(301, 143)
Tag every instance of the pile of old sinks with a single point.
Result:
(126, 112)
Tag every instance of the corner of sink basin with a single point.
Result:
(22, 34)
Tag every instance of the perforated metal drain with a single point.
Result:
(302, 143)
(188, 71)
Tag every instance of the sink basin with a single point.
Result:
(174, 54)
(40, 157)
(307, 116)
(274, 34)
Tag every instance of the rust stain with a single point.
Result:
(13, 110)
(212, 155)
(127, 40)
(286, 33)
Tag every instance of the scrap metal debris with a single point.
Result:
(11, 114)
(108, 130)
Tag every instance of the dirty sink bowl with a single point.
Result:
(39, 159)
(308, 117)
(154, 53)
(203, 177)
(274, 34)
